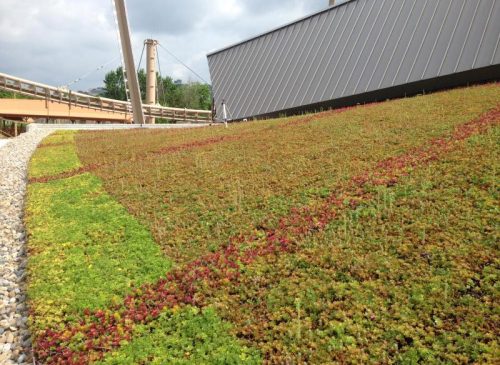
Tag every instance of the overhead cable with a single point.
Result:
(84, 76)
(140, 59)
(182, 63)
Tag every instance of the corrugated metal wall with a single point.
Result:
(354, 48)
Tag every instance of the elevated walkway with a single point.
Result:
(50, 94)
(17, 109)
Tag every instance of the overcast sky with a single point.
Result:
(58, 41)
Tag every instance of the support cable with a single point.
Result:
(84, 76)
(161, 78)
(140, 59)
(182, 63)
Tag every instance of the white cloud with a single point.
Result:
(229, 9)
(56, 41)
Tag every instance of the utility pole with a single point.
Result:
(151, 75)
(128, 57)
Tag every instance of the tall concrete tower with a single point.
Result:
(151, 75)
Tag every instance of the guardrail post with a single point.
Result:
(47, 98)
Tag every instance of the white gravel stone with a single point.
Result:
(14, 158)
(3, 142)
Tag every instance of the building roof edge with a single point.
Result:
(212, 53)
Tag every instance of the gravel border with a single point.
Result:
(4, 142)
(15, 340)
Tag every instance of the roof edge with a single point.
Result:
(330, 8)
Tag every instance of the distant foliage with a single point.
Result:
(170, 93)
(12, 95)
(114, 85)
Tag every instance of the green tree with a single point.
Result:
(170, 93)
(12, 95)
(141, 75)
(115, 85)
(195, 96)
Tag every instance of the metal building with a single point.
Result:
(359, 51)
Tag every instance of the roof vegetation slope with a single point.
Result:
(363, 235)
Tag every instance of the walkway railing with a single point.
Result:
(50, 93)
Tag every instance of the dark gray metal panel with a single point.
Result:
(487, 55)
(285, 73)
(259, 83)
(415, 29)
(257, 95)
(476, 36)
(331, 69)
(310, 77)
(300, 60)
(442, 40)
(373, 66)
(338, 77)
(308, 58)
(356, 47)
(365, 52)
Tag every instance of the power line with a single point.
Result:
(182, 63)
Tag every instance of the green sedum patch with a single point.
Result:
(85, 250)
(60, 137)
(186, 336)
(56, 159)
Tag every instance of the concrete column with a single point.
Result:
(128, 56)
(151, 75)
